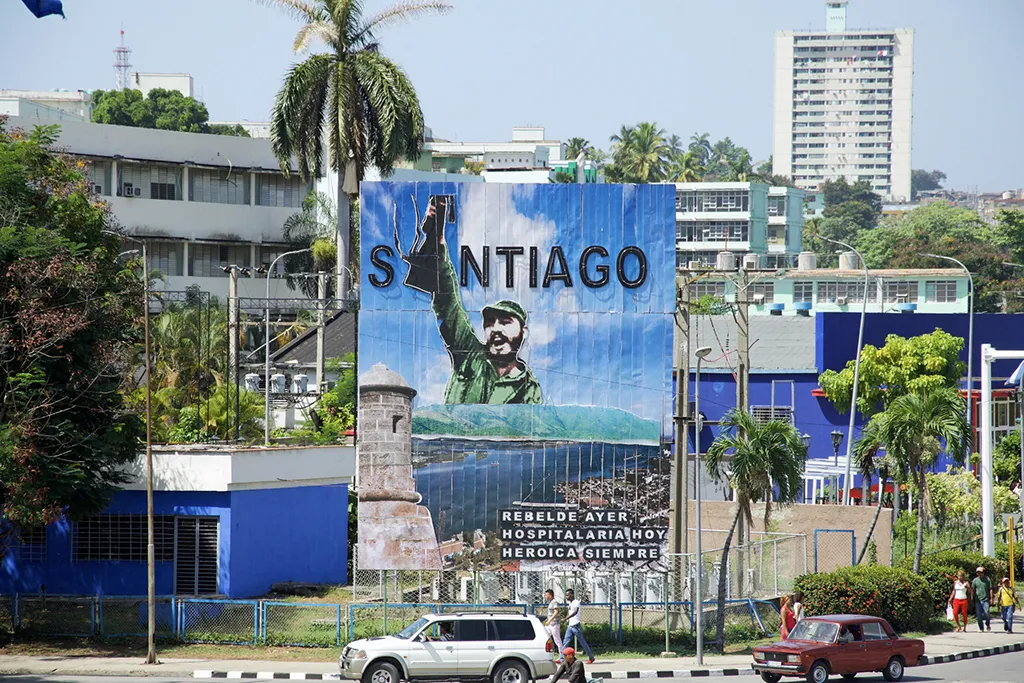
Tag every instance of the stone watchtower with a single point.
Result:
(395, 531)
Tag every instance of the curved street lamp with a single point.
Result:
(856, 368)
(701, 354)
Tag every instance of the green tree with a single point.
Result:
(920, 365)
(574, 146)
(761, 462)
(923, 181)
(314, 227)
(1006, 460)
(913, 428)
(1009, 233)
(227, 129)
(564, 177)
(70, 317)
(640, 154)
(853, 211)
(700, 147)
(160, 108)
(366, 103)
(685, 169)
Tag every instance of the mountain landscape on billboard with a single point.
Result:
(546, 422)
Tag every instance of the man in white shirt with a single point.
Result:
(575, 629)
(553, 623)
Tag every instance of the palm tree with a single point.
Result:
(758, 459)
(686, 169)
(868, 461)
(575, 146)
(675, 147)
(314, 227)
(700, 145)
(741, 168)
(913, 428)
(641, 153)
(364, 102)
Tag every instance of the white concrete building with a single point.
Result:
(77, 104)
(144, 82)
(201, 201)
(742, 218)
(843, 105)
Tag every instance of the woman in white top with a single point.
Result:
(798, 606)
(958, 599)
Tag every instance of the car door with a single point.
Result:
(476, 646)
(878, 646)
(429, 656)
(848, 653)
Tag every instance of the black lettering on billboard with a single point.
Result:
(620, 267)
(556, 257)
(466, 258)
(510, 254)
(384, 266)
(602, 269)
(533, 266)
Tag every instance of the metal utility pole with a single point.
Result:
(743, 343)
(233, 339)
(681, 468)
(321, 329)
(150, 543)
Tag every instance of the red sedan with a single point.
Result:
(846, 644)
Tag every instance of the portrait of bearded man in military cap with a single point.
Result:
(487, 371)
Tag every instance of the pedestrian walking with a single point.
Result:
(575, 627)
(553, 623)
(958, 599)
(982, 588)
(1007, 600)
(788, 617)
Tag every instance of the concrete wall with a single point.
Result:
(834, 549)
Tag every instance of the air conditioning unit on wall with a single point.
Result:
(841, 301)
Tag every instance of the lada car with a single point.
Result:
(502, 648)
(845, 644)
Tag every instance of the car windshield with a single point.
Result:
(814, 631)
(412, 629)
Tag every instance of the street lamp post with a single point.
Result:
(150, 543)
(701, 354)
(970, 340)
(266, 347)
(856, 369)
(837, 441)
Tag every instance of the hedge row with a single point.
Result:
(940, 570)
(897, 595)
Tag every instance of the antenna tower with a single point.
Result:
(122, 66)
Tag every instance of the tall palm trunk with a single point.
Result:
(723, 583)
(922, 508)
(874, 521)
(344, 228)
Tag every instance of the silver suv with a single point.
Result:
(502, 648)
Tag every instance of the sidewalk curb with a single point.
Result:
(617, 675)
(971, 654)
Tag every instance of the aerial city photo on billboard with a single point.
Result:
(515, 380)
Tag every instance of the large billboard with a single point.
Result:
(515, 375)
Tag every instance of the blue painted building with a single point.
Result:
(227, 522)
(789, 353)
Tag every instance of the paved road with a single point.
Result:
(1007, 668)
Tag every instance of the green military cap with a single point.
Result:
(509, 307)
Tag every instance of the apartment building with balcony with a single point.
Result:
(843, 105)
(743, 218)
(201, 202)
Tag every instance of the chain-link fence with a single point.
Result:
(229, 622)
(57, 616)
(6, 615)
(833, 549)
(302, 625)
(129, 617)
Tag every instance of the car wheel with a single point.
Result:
(511, 672)
(382, 672)
(818, 673)
(769, 677)
(894, 669)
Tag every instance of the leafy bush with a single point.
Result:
(940, 579)
(895, 594)
(1003, 555)
(968, 561)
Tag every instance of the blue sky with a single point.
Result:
(603, 347)
(578, 67)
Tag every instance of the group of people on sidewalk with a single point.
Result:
(574, 629)
(981, 591)
(791, 612)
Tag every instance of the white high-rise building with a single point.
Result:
(843, 105)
